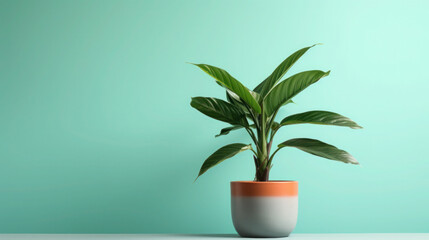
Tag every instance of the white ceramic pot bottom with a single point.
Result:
(264, 216)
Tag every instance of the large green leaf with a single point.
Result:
(264, 87)
(222, 154)
(320, 149)
(320, 117)
(226, 80)
(220, 110)
(289, 88)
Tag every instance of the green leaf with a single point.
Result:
(234, 99)
(226, 80)
(220, 110)
(320, 117)
(255, 95)
(288, 101)
(264, 87)
(222, 154)
(320, 149)
(275, 125)
(289, 88)
(227, 130)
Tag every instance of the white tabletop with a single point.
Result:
(361, 236)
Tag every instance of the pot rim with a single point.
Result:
(266, 182)
(264, 189)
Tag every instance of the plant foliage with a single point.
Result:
(260, 107)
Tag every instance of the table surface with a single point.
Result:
(363, 236)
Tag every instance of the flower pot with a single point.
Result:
(264, 209)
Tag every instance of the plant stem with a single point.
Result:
(270, 125)
(262, 170)
(273, 132)
(253, 116)
(253, 151)
(272, 156)
(252, 135)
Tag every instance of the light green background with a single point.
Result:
(97, 135)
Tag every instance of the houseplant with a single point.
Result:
(263, 208)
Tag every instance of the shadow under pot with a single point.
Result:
(264, 209)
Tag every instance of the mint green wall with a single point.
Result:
(97, 135)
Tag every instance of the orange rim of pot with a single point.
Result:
(264, 189)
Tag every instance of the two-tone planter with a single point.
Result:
(264, 209)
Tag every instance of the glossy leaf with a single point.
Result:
(320, 149)
(220, 110)
(320, 117)
(289, 88)
(226, 80)
(264, 87)
(222, 154)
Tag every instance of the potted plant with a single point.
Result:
(263, 208)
